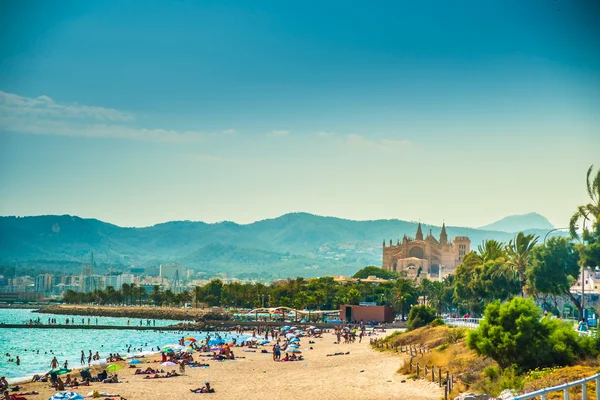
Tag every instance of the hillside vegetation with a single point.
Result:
(290, 245)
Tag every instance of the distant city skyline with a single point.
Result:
(462, 113)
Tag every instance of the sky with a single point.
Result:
(137, 113)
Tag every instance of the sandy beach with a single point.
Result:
(362, 374)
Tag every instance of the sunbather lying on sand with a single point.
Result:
(338, 354)
(204, 389)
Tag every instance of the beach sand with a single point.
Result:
(362, 374)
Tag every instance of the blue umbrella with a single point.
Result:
(135, 362)
(67, 396)
(294, 340)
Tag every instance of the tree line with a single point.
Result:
(525, 266)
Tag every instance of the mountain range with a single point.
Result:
(297, 244)
(516, 223)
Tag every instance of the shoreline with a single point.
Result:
(358, 372)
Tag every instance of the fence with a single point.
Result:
(565, 389)
(421, 371)
(471, 323)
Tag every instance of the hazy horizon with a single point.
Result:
(462, 113)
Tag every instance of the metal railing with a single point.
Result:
(542, 393)
(471, 323)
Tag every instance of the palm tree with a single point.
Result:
(198, 292)
(403, 294)
(126, 290)
(589, 212)
(519, 257)
(156, 295)
(490, 250)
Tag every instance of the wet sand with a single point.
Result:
(362, 374)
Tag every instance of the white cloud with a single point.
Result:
(44, 116)
(280, 132)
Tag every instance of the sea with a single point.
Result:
(36, 347)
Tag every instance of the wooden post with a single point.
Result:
(425, 371)
(446, 392)
(440, 375)
(417, 370)
(432, 373)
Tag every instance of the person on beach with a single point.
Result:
(54, 363)
(66, 364)
(3, 383)
(18, 362)
(60, 385)
(82, 357)
(204, 389)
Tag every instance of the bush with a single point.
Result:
(420, 316)
(514, 334)
(455, 335)
(437, 322)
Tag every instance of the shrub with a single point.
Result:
(420, 316)
(514, 334)
(437, 322)
(455, 335)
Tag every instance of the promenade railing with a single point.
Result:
(543, 393)
(471, 323)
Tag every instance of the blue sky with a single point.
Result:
(142, 112)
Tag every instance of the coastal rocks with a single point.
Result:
(473, 396)
(507, 394)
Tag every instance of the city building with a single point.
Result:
(44, 283)
(173, 272)
(420, 257)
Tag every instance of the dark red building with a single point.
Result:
(352, 313)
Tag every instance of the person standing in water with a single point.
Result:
(54, 363)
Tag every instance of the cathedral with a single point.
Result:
(425, 257)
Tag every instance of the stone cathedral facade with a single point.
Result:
(428, 257)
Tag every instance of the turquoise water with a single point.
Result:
(22, 316)
(67, 344)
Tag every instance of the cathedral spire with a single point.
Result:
(419, 235)
(444, 235)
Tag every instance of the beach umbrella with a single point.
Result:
(135, 362)
(252, 339)
(292, 340)
(66, 396)
(191, 339)
(169, 364)
(294, 350)
(113, 367)
(290, 335)
(284, 328)
(264, 342)
(102, 361)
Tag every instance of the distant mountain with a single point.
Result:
(287, 246)
(517, 223)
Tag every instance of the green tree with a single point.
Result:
(519, 258)
(589, 216)
(156, 295)
(491, 250)
(374, 271)
(353, 296)
(420, 316)
(513, 333)
(555, 269)
(404, 294)
(588, 213)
